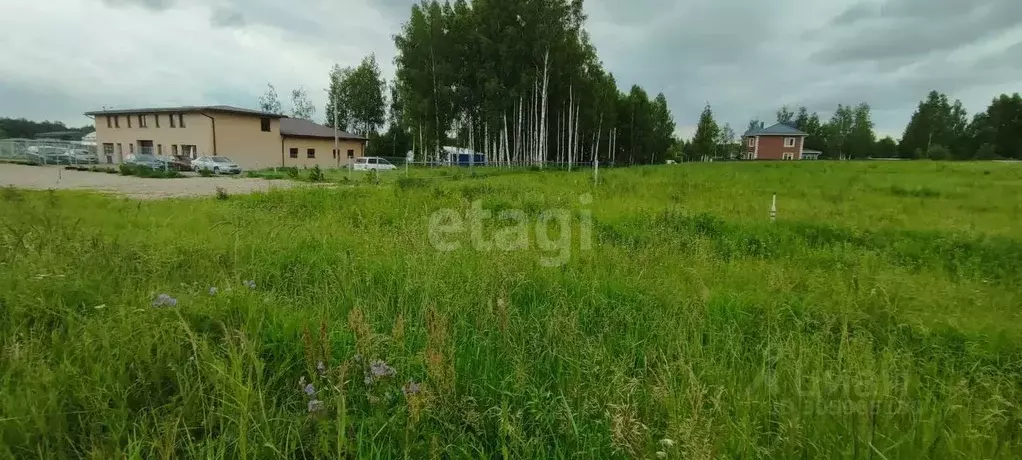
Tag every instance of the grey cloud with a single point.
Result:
(156, 5)
(47, 103)
(899, 31)
(856, 13)
(228, 18)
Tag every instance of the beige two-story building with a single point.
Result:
(253, 139)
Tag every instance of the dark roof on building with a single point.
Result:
(69, 135)
(188, 109)
(779, 129)
(297, 127)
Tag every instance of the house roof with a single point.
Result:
(187, 109)
(779, 129)
(297, 127)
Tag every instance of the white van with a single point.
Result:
(369, 163)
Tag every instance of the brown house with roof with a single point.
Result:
(777, 142)
(253, 139)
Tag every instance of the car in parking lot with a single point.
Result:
(372, 163)
(177, 162)
(216, 165)
(49, 155)
(148, 161)
(83, 157)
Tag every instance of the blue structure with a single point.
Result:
(457, 156)
(469, 159)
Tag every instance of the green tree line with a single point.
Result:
(939, 129)
(19, 128)
(520, 81)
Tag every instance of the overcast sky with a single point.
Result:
(745, 57)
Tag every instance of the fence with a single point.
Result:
(552, 165)
(47, 152)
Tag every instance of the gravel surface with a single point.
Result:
(56, 177)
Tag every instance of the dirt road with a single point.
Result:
(55, 177)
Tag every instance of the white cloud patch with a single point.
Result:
(126, 54)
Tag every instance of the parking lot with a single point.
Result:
(56, 177)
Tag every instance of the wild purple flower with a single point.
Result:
(251, 284)
(164, 300)
(411, 388)
(321, 368)
(315, 405)
(212, 291)
(380, 368)
(309, 389)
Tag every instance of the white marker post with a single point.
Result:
(596, 171)
(773, 210)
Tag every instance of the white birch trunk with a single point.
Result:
(577, 137)
(505, 136)
(543, 144)
(571, 122)
(560, 137)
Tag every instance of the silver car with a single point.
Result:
(218, 165)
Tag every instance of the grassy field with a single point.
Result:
(878, 318)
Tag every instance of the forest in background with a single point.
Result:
(940, 129)
(21, 128)
(522, 82)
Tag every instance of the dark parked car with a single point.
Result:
(48, 155)
(177, 162)
(149, 161)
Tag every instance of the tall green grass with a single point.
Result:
(869, 321)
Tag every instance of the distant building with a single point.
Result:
(60, 136)
(777, 142)
(253, 139)
(461, 156)
(808, 154)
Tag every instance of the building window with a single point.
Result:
(159, 149)
(120, 150)
(129, 120)
(294, 153)
(789, 141)
(265, 124)
(189, 151)
(108, 151)
(351, 154)
(311, 153)
(181, 120)
(335, 153)
(117, 121)
(142, 121)
(109, 122)
(173, 149)
(788, 156)
(156, 117)
(171, 117)
(752, 142)
(131, 148)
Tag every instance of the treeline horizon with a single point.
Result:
(521, 82)
(939, 129)
(23, 128)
